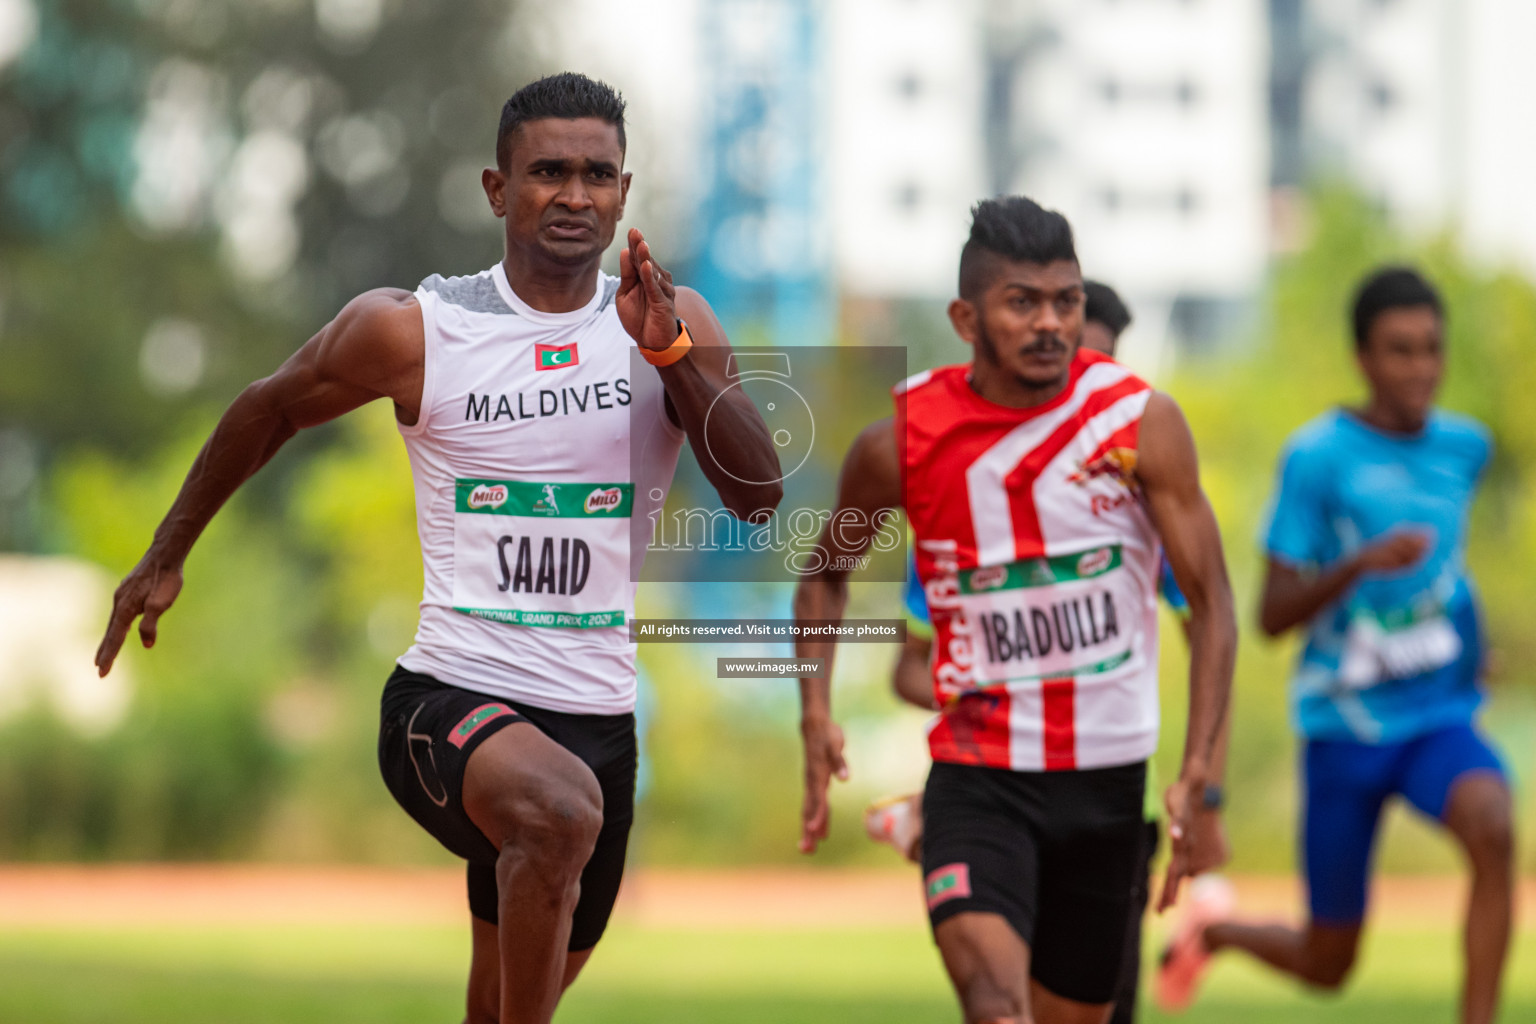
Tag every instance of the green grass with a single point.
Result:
(295, 975)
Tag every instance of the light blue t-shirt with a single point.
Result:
(1398, 655)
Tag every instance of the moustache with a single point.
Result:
(1045, 344)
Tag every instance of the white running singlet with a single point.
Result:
(539, 457)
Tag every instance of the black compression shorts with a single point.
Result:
(1057, 854)
(1129, 986)
(427, 731)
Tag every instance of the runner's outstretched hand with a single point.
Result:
(147, 591)
(1180, 802)
(647, 298)
(823, 759)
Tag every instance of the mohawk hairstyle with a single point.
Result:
(1016, 229)
(568, 96)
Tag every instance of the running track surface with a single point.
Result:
(659, 898)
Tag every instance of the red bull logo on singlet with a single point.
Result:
(1118, 464)
(952, 673)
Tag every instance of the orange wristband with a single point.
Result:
(673, 352)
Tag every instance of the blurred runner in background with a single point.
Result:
(1367, 553)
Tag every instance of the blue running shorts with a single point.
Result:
(1346, 784)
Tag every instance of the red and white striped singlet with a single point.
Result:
(1039, 563)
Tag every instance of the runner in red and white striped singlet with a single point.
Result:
(1040, 566)
(1040, 483)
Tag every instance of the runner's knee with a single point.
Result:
(551, 818)
(987, 998)
(1329, 972)
(1490, 840)
(1483, 821)
(559, 820)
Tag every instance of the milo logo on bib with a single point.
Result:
(1095, 562)
(602, 499)
(542, 554)
(488, 497)
(1039, 618)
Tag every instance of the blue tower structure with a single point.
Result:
(764, 263)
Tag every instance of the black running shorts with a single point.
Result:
(1057, 854)
(1129, 986)
(427, 731)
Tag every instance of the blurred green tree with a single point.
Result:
(192, 767)
(189, 189)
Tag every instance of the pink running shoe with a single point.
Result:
(898, 821)
(1186, 956)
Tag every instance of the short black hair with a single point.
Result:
(1104, 306)
(568, 95)
(1390, 288)
(1016, 229)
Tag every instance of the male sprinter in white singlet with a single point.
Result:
(507, 730)
(1041, 482)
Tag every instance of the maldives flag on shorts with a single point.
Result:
(554, 357)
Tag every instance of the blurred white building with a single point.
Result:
(1143, 121)
(1498, 203)
(1425, 104)
(1159, 127)
(1377, 103)
(907, 151)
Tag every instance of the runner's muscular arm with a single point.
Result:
(372, 349)
(912, 678)
(868, 490)
(738, 449)
(1169, 473)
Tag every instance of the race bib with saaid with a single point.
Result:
(1043, 618)
(542, 554)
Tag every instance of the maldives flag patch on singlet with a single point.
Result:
(555, 357)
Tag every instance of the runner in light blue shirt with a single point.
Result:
(1367, 553)
(1396, 655)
